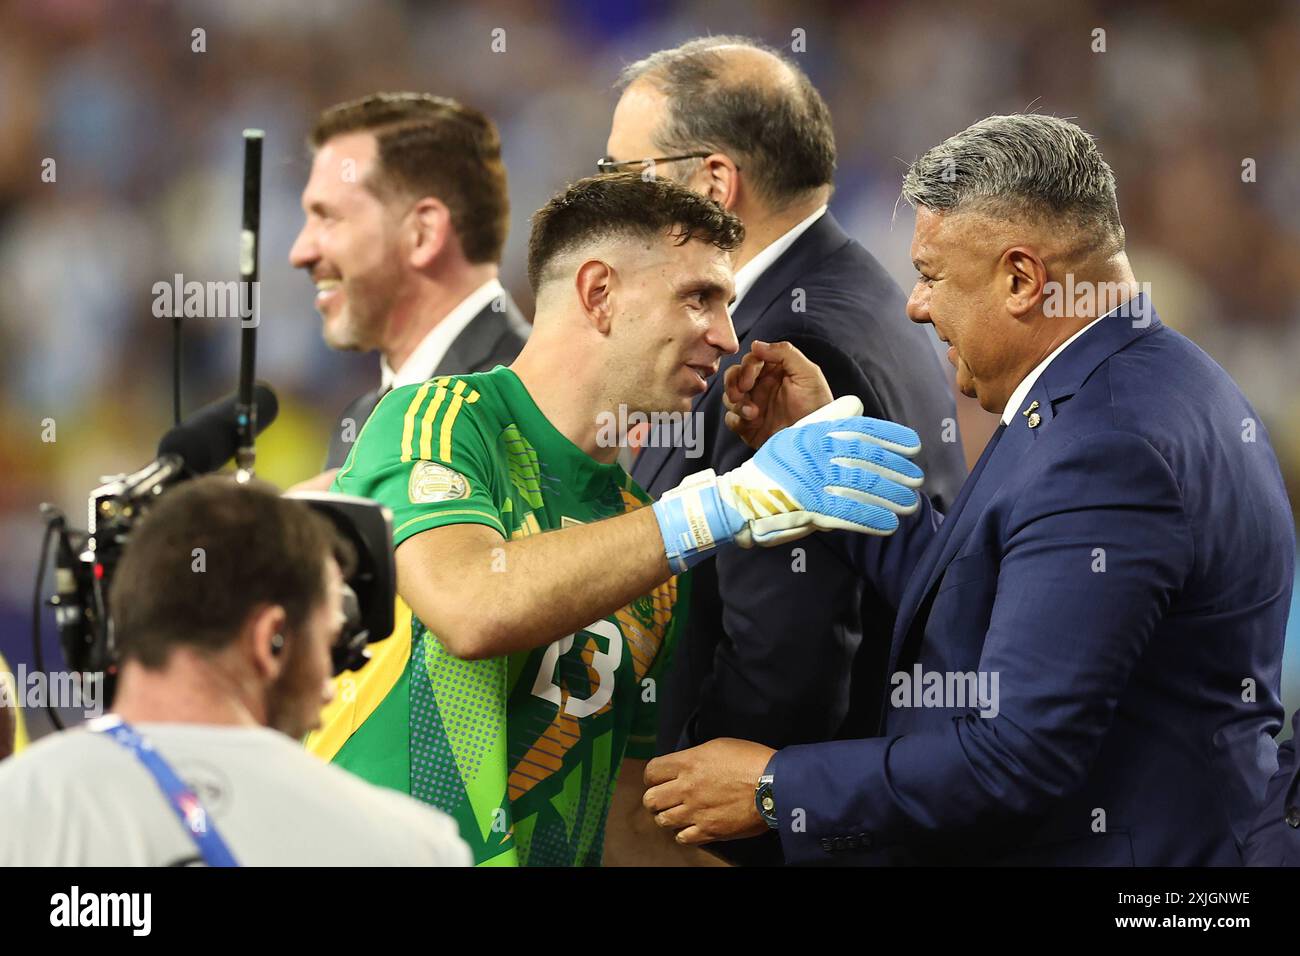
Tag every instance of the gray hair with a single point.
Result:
(779, 134)
(1021, 166)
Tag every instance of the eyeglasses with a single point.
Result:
(607, 164)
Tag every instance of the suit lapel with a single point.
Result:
(366, 404)
(819, 241)
(1000, 458)
(358, 411)
(477, 342)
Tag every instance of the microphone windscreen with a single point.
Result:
(209, 438)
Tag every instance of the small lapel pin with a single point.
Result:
(1033, 417)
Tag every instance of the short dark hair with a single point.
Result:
(625, 205)
(258, 548)
(780, 135)
(433, 146)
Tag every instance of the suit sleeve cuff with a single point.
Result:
(826, 799)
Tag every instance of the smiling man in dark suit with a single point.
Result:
(406, 215)
(776, 649)
(1087, 651)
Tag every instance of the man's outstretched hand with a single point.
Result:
(771, 388)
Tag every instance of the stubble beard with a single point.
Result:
(359, 325)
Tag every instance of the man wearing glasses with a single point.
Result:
(776, 649)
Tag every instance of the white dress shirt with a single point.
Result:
(420, 364)
(748, 274)
(1018, 396)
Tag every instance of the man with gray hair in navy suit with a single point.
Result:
(1097, 620)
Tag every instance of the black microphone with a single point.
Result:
(210, 437)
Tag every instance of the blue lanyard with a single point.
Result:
(183, 800)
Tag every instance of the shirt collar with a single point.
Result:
(748, 274)
(422, 362)
(1022, 390)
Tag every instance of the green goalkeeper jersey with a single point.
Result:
(522, 750)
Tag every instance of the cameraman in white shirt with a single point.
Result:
(226, 604)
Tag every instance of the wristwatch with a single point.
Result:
(765, 801)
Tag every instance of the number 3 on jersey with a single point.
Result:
(605, 664)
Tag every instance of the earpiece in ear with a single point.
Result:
(277, 643)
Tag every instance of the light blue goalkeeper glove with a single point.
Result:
(831, 470)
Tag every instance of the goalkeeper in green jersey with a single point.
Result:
(540, 600)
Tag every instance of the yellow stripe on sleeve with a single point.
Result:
(408, 424)
(444, 437)
(426, 426)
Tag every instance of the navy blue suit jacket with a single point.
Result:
(1125, 569)
(1275, 840)
(769, 651)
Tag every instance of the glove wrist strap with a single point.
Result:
(694, 520)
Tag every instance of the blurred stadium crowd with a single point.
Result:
(141, 116)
